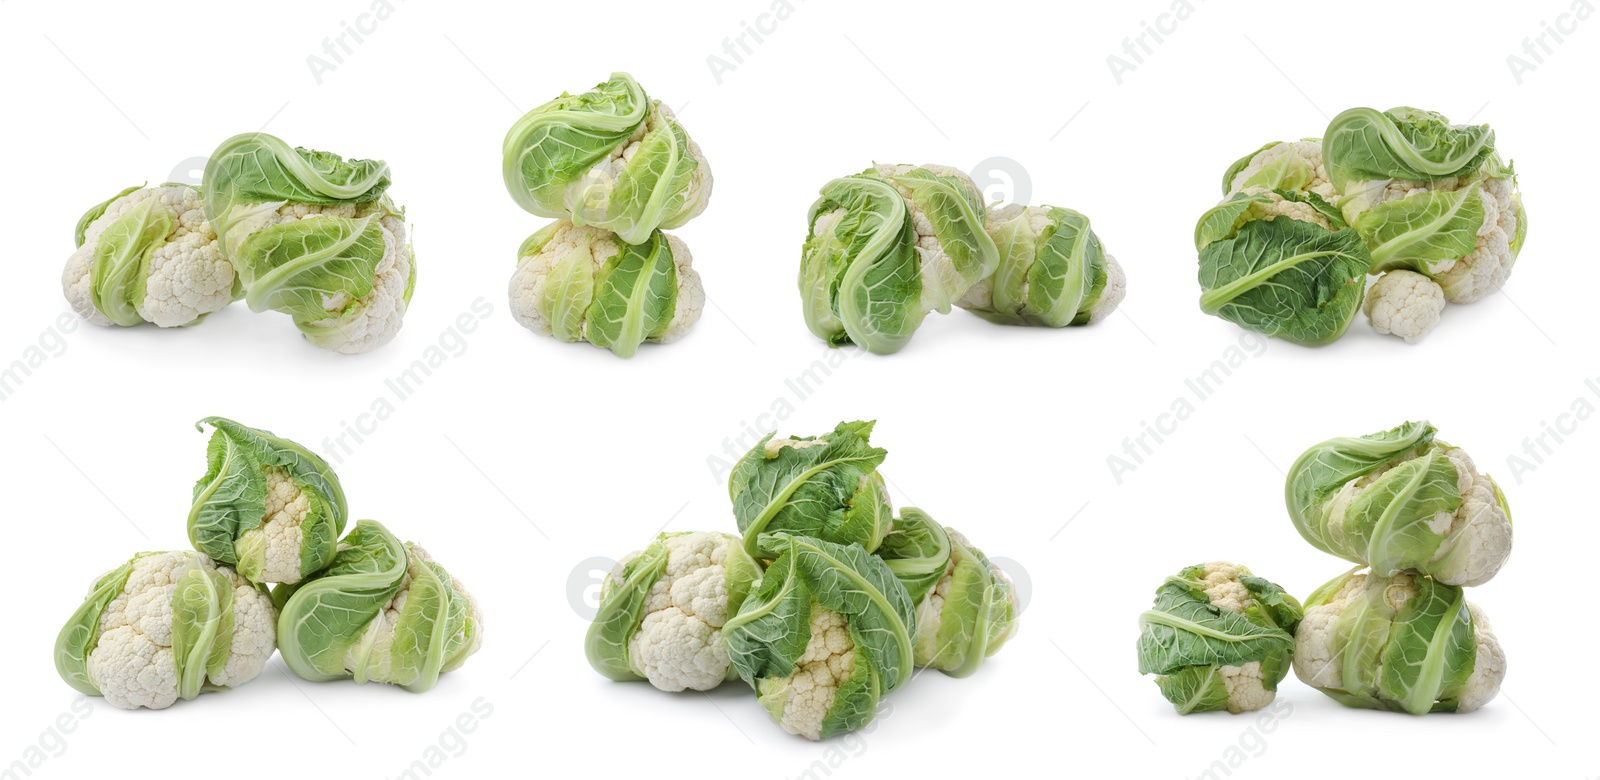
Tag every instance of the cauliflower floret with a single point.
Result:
(1405, 304)
(132, 661)
(1278, 206)
(1479, 531)
(941, 283)
(572, 244)
(1247, 690)
(807, 695)
(188, 276)
(277, 541)
(679, 641)
(1488, 671)
(1220, 581)
(1309, 152)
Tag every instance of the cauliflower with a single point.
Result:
(1404, 303)
(679, 641)
(1478, 534)
(566, 285)
(801, 702)
(352, 325)
(275, 546)
(161, 233)
(372, 659)
(968, 615)
(135, 639)
(1219, 638)
(1074, 255)
(1354, 625)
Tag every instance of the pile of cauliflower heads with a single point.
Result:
(297, 231)
(171, 625)
(1395, 632)
(1429, 208)
(886, 246)
(824, 601)
(614, 168)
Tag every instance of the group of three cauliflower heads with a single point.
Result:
(1395, 633)
(824, 602)
(292, 230)
(166, 626)
(1428, 207)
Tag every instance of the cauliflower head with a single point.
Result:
(1053, 270)
(166, 626)
(1219, 638)
(1407, 643)
(968, 615)
(148, 255)
(1296, 165)
(947, 214)
(579, 283)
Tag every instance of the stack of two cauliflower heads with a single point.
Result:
(1428, 207)
(1394, 633)
(614, 168)
(825, 601)
(166, 626)
(292, 230)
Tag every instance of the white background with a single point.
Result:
(520, 458)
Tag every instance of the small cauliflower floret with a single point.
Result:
(132, 661)
(187, 276)
(679, 641)
(279, 536)
(1308, 153)
(1479, 531)
(1405, 304)
(807, 694)
(1247, 690)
